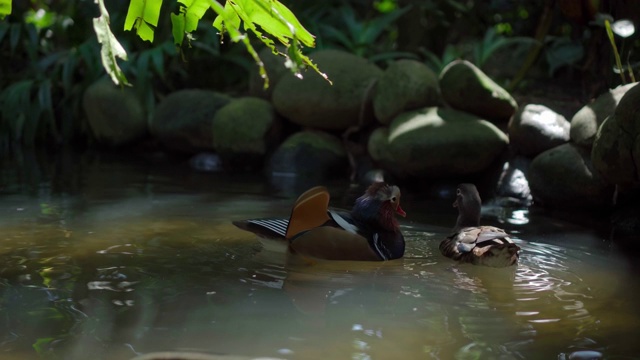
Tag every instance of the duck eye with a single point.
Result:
(393, 199)
(458, 192)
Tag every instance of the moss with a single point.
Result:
(315, 139)
(241, 126)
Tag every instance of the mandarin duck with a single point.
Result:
(472, 243)
(369, 232)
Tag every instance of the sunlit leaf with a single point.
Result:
(186, 21)
(616, 54)
(143, 15)
(5, 8)
(111, 48)
(41, 19)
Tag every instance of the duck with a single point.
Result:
(368, 232)
(473, 243)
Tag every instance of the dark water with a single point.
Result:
(104, 258)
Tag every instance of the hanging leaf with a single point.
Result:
(5, 8)
(143, 15)
(111, 48)
(186, 21)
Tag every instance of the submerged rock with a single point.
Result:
(314, 103)
(183, 120)
(563, 177)
(465, 87)
(206, 162)
(244, 131)
(536, 128)
(437, 142)
(115, 115)
(616, 148)
(586, 121)
(405, 85)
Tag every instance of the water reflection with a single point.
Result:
(136, 266)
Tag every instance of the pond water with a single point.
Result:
(104, 258)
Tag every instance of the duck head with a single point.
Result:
(378, 206)
(469, 205)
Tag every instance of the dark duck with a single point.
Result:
(369, 232)
(473, 243)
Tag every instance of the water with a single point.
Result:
(109, 259)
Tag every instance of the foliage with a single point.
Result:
(624, 29)
(44, 75)
(111, 48)
(256, 16)
(481, 50)
(5, 8)
(362, 37)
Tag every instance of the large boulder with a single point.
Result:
(313, 155)
(244, 131)
(183, 120)
(564, 177)
(536, 128)
(405, 85)
(586, 121)
(115, 115)
(616, 148)
(465, 87)
(436, 142)
(313, 102)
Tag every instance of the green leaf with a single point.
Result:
(14, 104)
(143, 15)
(111, 48)
(5, 8)
(4, 27)
(177, 28)
(14, 36)
(186, 21)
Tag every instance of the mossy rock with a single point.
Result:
(313, 102)
(115, 115)
(536, 128)
(245, 130)
(183, 120)
(310, 154)
(405, 85)
(564, 177)
(585, 123)
(616, 148)
(275, 69)
(437, 142)
(465, 87)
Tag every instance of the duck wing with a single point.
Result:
(468, 239)
(482, 245)
(271, 228)
(309, 211)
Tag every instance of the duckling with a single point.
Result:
(473, 243)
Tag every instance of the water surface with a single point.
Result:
(109, 259)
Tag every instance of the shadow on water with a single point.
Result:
(111, 259)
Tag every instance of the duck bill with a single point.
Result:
(400, 212)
